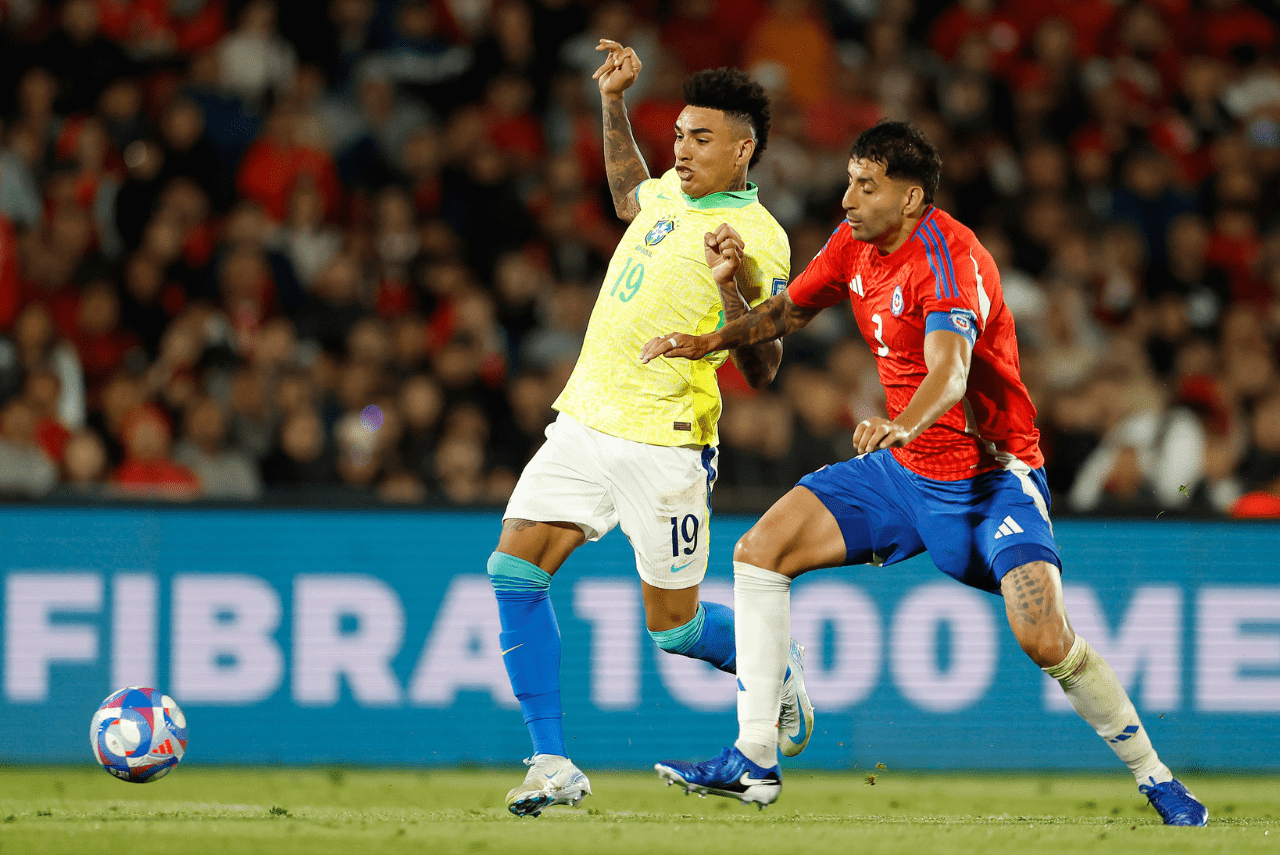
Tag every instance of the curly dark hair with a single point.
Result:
(903, 151)
(733, 92)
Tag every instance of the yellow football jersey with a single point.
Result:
(658, 282)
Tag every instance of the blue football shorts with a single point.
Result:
(975, 530)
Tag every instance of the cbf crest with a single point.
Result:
(660, 229)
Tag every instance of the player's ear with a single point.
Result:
(746, 149)
(913, 200)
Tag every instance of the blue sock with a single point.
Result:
(709, 637)
(530, 640)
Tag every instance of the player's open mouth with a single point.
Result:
(684, 172)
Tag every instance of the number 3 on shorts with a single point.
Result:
(686, 530)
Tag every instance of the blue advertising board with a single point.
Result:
(371, 637)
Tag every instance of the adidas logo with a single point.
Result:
(1008, 527)
(166, 748)
(1127, 733)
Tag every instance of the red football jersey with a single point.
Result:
(941, 278)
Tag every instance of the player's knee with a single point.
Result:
(758, 548)
(1046, 646)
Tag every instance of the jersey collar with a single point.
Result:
(723, 199)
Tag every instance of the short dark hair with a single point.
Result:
(904, 152)
(733, 92)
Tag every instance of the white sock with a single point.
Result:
(1096, 694)
(762, 632)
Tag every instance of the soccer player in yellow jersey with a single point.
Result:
(635, 443)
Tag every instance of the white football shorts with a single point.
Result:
(658, 494)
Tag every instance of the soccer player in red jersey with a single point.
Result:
(956, 469)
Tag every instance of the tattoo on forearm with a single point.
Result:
(622, 159)
(772, 319)
(517, 525)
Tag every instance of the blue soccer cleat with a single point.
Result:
(1175, 803)
(551, 780)
(731, 775)
(795, 719)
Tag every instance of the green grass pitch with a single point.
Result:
(207, 811)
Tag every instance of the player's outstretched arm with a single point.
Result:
(622, 159)
(947, 355)
(774, 318)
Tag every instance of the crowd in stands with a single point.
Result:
(345, 250)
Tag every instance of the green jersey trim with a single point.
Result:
(724, 199)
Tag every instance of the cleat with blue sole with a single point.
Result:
(1175, 803)
(730, 775)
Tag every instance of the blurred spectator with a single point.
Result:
(615, 20)
(25, 470)
(81, 57)
(421, 57)
(306, 240)
(120, 111)
(334, 304)
(20, 200)
(148, 471)
(84, 468)
(35, 345)
(252, 424)
(254, 59)
(368, 155)
(302, 458)
(421, 406)
(187, 152)
(1186, 273)
(1149, 458)
(43, 393)
(275, 164)
(793, 41)
(102, 343)
(1261, 461)
(223, 473)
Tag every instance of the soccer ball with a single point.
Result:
(138, 734)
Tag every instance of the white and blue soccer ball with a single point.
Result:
(138, 734)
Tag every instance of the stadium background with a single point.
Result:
(289, 257)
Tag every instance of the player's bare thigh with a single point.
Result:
(1036, 611)
(796, 535)
(545, 544)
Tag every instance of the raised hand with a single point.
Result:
(724, 249)
(619, 70)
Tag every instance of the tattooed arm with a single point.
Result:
(772, 319)
(622, 158)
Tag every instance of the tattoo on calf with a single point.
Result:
(1029, 596)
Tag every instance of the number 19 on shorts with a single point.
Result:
(684, 533)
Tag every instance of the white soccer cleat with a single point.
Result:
(795, 718)
(552, 780)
